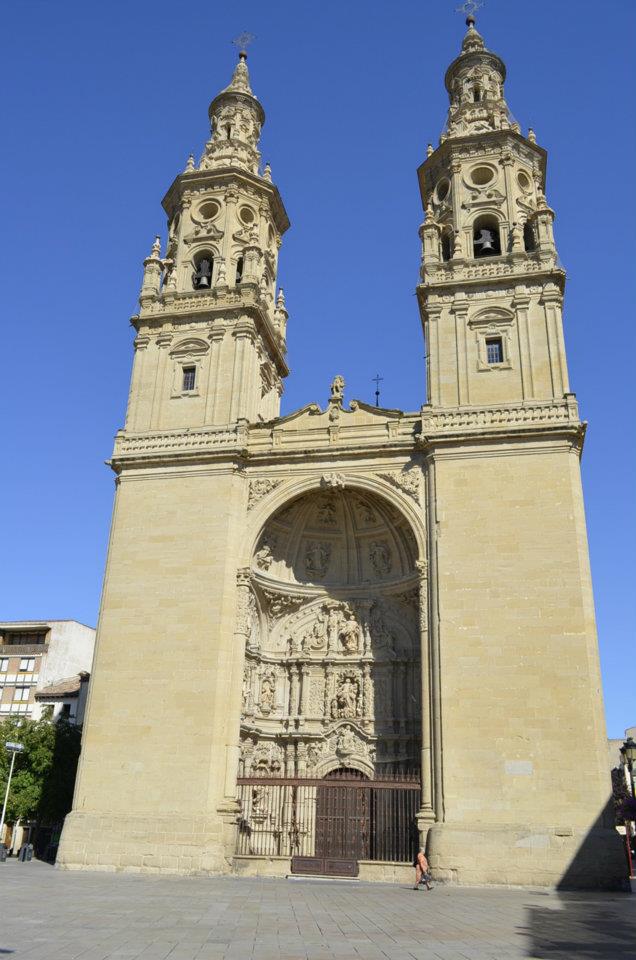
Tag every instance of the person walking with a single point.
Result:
(422, 872)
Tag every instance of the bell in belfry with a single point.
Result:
(202, 277)
(485, 242)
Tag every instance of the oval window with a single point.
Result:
(442, 190)
(246, 214)
(524, 181)
(209, 209)
(482, 175)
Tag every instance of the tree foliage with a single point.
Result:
(44, 774)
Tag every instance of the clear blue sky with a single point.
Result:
(102, 104)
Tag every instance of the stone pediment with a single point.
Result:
(312, 417)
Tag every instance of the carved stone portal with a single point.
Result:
(332, 672)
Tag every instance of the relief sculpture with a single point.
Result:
(317, 557)
(332, 674)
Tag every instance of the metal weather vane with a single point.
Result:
(469, 7)
(243, 41)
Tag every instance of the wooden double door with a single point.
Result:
(343, 825)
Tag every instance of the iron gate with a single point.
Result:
(326, 826)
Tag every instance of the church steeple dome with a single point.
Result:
(474, 81)
(236, 119)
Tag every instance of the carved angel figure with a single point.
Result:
(347, 742)
(264, 557)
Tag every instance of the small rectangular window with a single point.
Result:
(494, 350)
(27, 664)
(21, 693)
(4, 664)
(189, 377)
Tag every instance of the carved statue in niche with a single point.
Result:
(365, 512)
(247, 690)
(350, 635)
(380, 557)
(267, 698)
(253, 624)
(296, 646)
(264, 556)
(346, 703)
(379, 632)
(326, 512)
(317, 557)
(258, 801)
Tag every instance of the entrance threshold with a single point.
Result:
(321, 878)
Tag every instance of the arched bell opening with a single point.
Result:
(486, 237)
(203, 264)
(529, 238)
(447, 243)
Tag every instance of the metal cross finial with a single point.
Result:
(469, 7)
(377, 380)
(242, 41)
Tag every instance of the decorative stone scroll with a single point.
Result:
(332, 481)
(409, 481)
(259, 488)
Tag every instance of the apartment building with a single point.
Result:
(39, 655)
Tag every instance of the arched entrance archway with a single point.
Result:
(332, 676)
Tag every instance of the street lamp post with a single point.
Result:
(628, 753)
(13, 748)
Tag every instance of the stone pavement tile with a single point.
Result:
(55, 915)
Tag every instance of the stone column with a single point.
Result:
(244, 334)
(137, 384)
(290, 762)
(433, 383)
(241, 635)
(215, 337)
(552, 300)
(304, 691)
(163, 341)
(328, 691)
(521, 303)
(426, 814)
(460, 312)
(230, 225)
(368, 709)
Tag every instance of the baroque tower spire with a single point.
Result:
(491, 286)
(211, 345)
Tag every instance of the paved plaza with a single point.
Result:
(49, 914)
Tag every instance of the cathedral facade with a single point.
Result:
(329, 637)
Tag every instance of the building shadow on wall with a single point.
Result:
(587, 924)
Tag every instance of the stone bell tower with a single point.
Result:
(217, 282)
(487, 224)
(160, 749)
(513, 609)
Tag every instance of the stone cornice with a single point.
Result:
(473, 273)
(481, 144)
(291, 441)
(203, 179)
(191, 307)
(460, 425)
